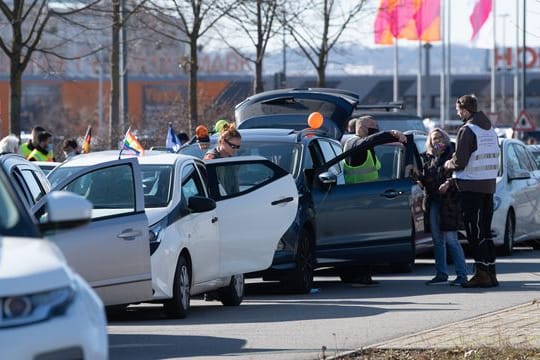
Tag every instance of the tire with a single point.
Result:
(233, 294)
(178, 306)
(300, 280)
(509, 228)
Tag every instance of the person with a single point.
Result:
(219, 125)
(442, 211)
(29, 146)
(475, 164)
(9, 145)
(70, 148)
(351, 126)
(183, 137)
(228, 143)
(364, 166)
(43, 150)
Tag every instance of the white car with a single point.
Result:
(46, 309)
(209, 222)
(516, 216)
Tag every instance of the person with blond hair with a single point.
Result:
(228, 143)
(9, 145)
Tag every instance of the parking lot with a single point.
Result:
(339, 317)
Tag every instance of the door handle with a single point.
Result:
(391, 193)
(214, 219)
(129, 234)
(282, 201)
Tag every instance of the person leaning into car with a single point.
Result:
(363, 165)
(475, 164)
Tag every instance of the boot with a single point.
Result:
(481, 278)
(493, 275)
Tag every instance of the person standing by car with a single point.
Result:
(442, 211)
(70, 148)
(43, 151)
(228, 143)
(475, 164)
(364, 166)
(27, 147)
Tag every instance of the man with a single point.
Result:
(27, 147)
(475, 164)
(43, 150)
(364, 166)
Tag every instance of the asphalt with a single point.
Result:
(517, 326)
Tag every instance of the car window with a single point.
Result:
(33, 185)
(328, 154)
(523, 158)
(284, 154)
(512, 161)
(192, 184)
(157, 185)
(13, 222)
(111, 190)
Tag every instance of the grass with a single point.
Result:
(483, 353)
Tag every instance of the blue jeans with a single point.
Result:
(442, 239)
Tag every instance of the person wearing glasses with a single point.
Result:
(228, 143)
(227, 146)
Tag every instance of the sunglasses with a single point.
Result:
(233, 146)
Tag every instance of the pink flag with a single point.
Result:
(480, 14)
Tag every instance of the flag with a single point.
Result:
(130, 142)
(407, 19)
(479, 15)
(172, 142)
(87, 140)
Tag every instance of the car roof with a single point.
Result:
(149, 157)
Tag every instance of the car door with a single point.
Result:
(368, 222)
(112, 252)
(200, 229)
(256, 203)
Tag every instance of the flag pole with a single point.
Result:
(448, 73)
(516, 67)
(419, 94)
(442, 98)
(396, 70)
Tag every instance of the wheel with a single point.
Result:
(300, 280)
(178, 306)
(233, 294)
(508, 245)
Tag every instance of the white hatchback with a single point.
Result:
(46, 310)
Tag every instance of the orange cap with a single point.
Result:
(201, 131)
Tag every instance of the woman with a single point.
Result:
(9, 145)
(228, 143)
(441, 204)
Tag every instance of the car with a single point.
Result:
(340, 226)
(516, 216)
(47, 309)
(201, 244)
(47, 166)
(535, 150)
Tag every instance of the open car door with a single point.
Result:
(112, 252)
(256, 202)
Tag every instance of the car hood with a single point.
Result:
(155, 214)
(31, 265)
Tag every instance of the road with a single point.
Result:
(336, 316)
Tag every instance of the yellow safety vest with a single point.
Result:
(39, 156)
(368, 171)
(25, 150)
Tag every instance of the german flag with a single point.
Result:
(87, 140)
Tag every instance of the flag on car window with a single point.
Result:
(172, 142)
(87, 140)
(130, 142)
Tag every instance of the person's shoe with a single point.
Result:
(481, 278)
(438, 280)
(493, 275)
(459, 281)
(365, 281)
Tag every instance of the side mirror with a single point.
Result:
(328, 178)
(66, 210)
(201, 204)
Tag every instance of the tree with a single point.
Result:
(27, 22)
(187, 21)
(316, 39)
(257, 20)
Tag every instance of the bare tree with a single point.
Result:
(316, 38)
(187, 21)
(256, 20)
(27, 22)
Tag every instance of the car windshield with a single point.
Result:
(157, 185)
(13, 221)
(401, 124)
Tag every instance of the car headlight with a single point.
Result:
(156, 234)
(30, 308)
(496, 202)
